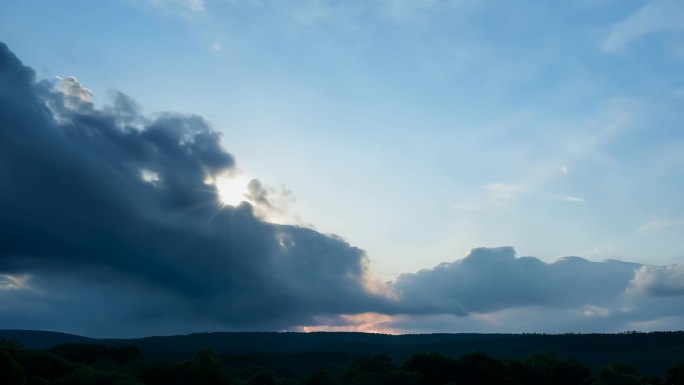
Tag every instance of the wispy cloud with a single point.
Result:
(492, 196)
(656, 16)
(13, 282)
(187, 5)
(573, 199)
(468, 207)
(503, 192)
(659, 224)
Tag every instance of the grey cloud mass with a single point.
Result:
(109, 214)
(108, 228)
(488, 280)
(491, 289)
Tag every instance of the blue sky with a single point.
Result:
(414, 129)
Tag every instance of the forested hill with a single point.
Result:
(650, 352)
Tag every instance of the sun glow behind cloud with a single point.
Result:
(269, 204)
(232, 189)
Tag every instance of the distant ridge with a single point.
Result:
(38, 339)
(650, 352)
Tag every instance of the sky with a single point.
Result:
(374, 165)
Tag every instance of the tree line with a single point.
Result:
(87, 364)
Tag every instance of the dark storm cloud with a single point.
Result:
(108, 213)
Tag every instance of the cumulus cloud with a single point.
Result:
(488, 280)
(492, 290)
(659, 281)
(107, 210)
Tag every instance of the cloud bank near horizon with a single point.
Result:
(496, 291)
(109, 228)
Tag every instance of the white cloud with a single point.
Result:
(150, 176)
(658, 281)
(656, 16)
(71, 87)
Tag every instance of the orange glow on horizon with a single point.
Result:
(363, 322)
